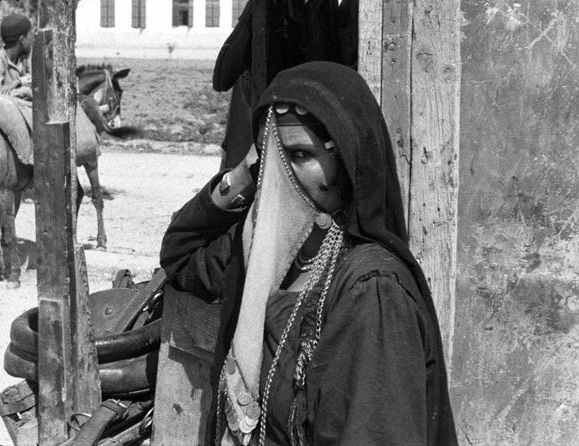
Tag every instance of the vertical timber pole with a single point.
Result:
(409, 53)
(55, 380)
(435, 119)
(384, 61)
(67, 364)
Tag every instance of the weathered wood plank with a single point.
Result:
(409, 53)
(67, 364)
(54, 350)
(370, 18)
(55, 377)
(54, 354)
(87, 388)
(383, 61)
(435, 84)
(396, 44)
(183, 397)
(59, 17)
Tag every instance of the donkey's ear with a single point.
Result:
(121, 73)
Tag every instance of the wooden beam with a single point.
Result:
(54, 352)
(183, 396)
(371, 17)
(86, 381)
(67, 364)
(384, 55)
(435, 80)
(409, 53)
(396, 44)
(55, 364)
(60, 17)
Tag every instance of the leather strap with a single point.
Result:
(91, 432)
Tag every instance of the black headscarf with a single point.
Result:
(342, 101)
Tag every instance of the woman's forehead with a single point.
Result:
(299, 134)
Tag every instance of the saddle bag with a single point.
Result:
(126, 323)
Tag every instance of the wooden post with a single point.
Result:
(183, 396)
(409, 54)
(384, 54)
(435, 111)
(67, 362)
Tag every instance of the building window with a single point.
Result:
(191, 12)
(183, 13)
(107, 13)
(237, 9)
(139, 19)
(212, 13)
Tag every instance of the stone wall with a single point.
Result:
(516, 347)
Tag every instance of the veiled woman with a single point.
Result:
(328, 331)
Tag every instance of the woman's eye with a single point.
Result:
(298, 154)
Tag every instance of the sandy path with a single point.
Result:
(146, 189)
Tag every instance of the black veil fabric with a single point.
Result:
(341, 100)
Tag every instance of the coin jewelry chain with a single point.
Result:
(325, 261)
(219, 421)
(302, 263)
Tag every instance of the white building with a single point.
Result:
(154, 28)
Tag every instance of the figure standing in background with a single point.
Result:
(17, 35)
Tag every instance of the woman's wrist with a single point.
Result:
(236, 188)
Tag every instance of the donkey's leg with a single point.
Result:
(9, 241)
(79, 195)
(17, 201)
(2, 250)
(92, 170)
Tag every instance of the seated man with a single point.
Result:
(17, 35)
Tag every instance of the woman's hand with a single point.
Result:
(251, 157)
(237, 187)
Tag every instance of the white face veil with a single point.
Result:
(280, 220)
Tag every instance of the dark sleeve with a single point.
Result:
(369, 380)
(197, 245)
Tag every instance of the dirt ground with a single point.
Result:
(145, 188)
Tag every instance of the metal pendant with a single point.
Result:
(323, 220)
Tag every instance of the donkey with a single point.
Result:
(101, 100)
(100, 96)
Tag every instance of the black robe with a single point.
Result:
(377, 376)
